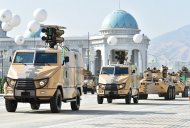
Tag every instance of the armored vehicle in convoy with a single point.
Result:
(89, 84)
(180, 84)
(157, 82)
(118, 81)
(45, 75)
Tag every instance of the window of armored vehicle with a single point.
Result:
(24, 57)
(45, 58)
(121, 70)
(107, 70)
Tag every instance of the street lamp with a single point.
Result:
(88, 53)
(2, 52)
(137, 38)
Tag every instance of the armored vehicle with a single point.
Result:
(118, 81)
(44, 75)
(157, 82)
(180, 85)
(89, 84)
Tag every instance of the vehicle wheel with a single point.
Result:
(56, 101)
(185, 93)
(109, 100)
(143, 96)
(168, 94)
(128, 98)
(85, 90)
(92, 91)
(173, 93)
(100, 99)
(35, 106)
(11, 105)
(136, 99)
(75, 105)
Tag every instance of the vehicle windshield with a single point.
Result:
(121, 70)
(24, 57)
(41, 58)
(45, 58)
(107, 70)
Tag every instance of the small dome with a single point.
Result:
(119, 19)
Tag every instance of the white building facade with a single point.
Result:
(119, 24)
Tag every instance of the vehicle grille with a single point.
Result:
(111, 87)
(25, 85)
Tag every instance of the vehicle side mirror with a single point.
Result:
(133, 71)
(10, 59)
(66, 59)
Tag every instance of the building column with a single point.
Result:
(129, 55)
(104, 53)
(92, 62)
(144, 59)
(136, 58)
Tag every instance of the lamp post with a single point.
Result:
(155, 58)
(2, 64)
(137, 38)
(88, 54)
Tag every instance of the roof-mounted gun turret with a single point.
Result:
(53, 34)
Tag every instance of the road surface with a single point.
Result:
(154, 112)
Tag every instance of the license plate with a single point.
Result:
(111, 92)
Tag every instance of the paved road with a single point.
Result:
(154, 112)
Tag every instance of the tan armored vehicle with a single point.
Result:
(44, 75)
(89, 84)
(157, 82)
(180, 86)
(118, 82)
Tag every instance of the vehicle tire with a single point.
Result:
(143, 96)
(185, 93)
(11, 105)
(168, 94)
(128, 98)
(56, 102)
(173, 93)
(35, 106)
(136, 99)
(75, 105)
(100, 99)
(85, 90)
(109, 100)
(92, 91)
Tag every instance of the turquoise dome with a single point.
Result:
(33, 34)
(119, 19)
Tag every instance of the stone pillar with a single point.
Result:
(92, 62)
(144, 59)
(129, 55)
(136, 58)
(104, 53)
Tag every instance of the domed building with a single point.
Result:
(123, 27)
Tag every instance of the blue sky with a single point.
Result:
(154, 17)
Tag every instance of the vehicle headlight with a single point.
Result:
(42, 82)
(11, 82)
(121, 86)
(102, 86)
